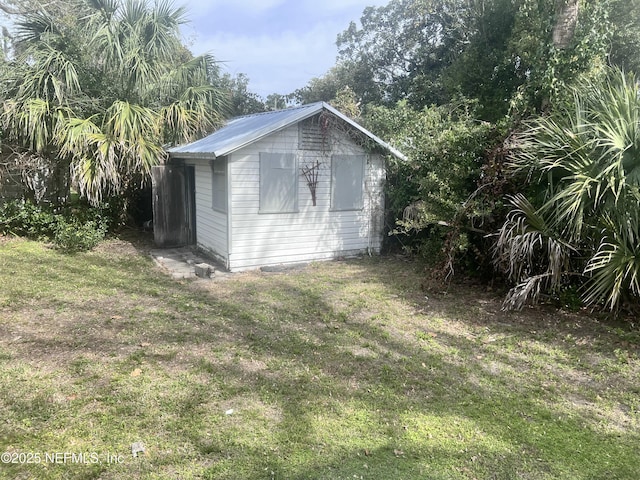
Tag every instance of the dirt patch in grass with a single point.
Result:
(128, 241)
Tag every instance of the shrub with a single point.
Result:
(71, 229)
(27, 220)
(585, 164)
(73, 236)
(428, 194)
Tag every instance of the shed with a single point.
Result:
(282, 187)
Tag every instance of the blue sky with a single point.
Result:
(279, 44)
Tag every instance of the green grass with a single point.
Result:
(340, 370)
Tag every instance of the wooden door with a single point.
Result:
(174, 208)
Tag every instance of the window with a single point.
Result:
(278, 183)
(347, 182)
(219, 184)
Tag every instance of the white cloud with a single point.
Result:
(279, 44)
(277, 63)
(200, 7)
(341, 5)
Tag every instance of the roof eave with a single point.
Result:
(193, 155)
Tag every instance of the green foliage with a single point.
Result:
(325, 88)
(486, 68)
(74, 236)
(346, 102)
(548, 71)
(100, 87)
(531, 253)
(402, 48)
(625, 34)
(241, 100)
(502, 53)
(585, 165)
(414, 60)
(26, 219)
(73, 229)
(445, 147)
(276, 101)
(429, 193)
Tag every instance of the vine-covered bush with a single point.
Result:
(427, 193)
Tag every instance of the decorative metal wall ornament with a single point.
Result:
(310, 174)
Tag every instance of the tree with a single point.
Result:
(515, 57)
(625, 34)
(323, 89)
(242, 101)
(583, 220)
(452, 81)
(402, 49)
(98, 87)
(346, 102)
(277, 101)
(445, 146)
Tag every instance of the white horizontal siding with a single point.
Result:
(311, 233)
(211, 225)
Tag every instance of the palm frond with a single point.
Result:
(135, 129)
(53, 76)
(588, 159)
(95, 173)
(105, 97)
(75, 136)
(34, 26)
(32, 123)
(615, 268)
(530, 253)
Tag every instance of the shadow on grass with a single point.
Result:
(338, 371)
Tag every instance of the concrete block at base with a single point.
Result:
(203, 270)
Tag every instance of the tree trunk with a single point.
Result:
(566, 20)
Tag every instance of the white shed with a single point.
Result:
(280, 187)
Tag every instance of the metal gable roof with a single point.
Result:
(242, 131)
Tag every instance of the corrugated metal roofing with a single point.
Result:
(242, 131)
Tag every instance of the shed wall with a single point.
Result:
(211, 225)
(312, 233)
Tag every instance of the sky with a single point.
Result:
(279, 44)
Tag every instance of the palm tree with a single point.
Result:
(99, 87)
(587, 161)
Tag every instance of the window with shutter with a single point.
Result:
(278, 183)
(219, 184)
(347, 182)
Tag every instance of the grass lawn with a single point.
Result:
(340, 370)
